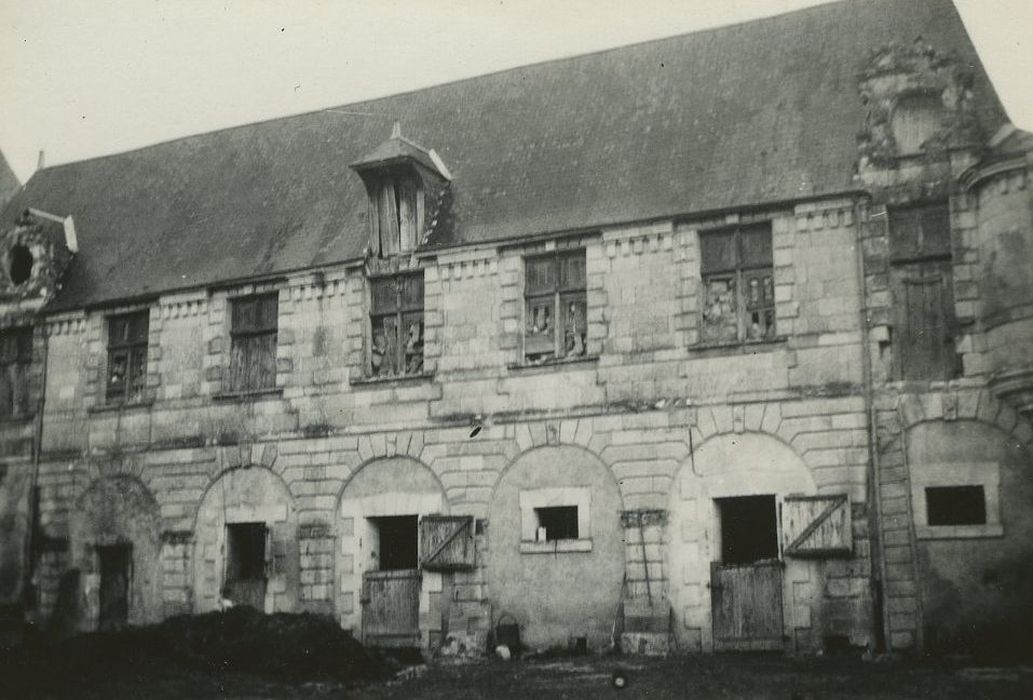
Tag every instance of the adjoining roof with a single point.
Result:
(9, 182)
(753, 113)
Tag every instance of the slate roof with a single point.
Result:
(753, 113)
(9, 183)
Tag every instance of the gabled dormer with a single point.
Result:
(405, 183)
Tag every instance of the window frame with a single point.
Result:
(130, 347)
(402, 312)
(740, 271)
(556, 296)
(243, 341)
(21, 362)
(532, 500)
(948, 474)
(400, 189)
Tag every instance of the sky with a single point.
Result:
(82, 78)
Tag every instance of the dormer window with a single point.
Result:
(404, 182)
(396, 208)
(916, 119)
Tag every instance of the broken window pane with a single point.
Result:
(397, 328)
(556, 309)
(127, 357)
(738, 285)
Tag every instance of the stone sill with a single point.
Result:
(958, 532)
(119, 407)
(24, 418)
(743, 347)
(552, 365)
(556, 546)
(392, 380)
(273, 393)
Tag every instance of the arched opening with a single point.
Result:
(246, 543)
(724, 533)
(114, 537)
(555, 547)
(383, 594)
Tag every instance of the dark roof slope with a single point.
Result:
(757, 112)
(9, 182)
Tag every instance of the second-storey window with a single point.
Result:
(127, 357)
(923, 290)
(253, 342)
(556, 307)
(15, 359)
(396, 319)
(738, 285)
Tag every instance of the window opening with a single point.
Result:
(556, 523)
(396, 205)
(22, 262)
(127, 357)
(399, 538)
(556, 306)
(738, 282)
(921, 276)
(396, 318)
(15, 361)
(247, 545)
(955, 505)
(253, 342)
(749, 529)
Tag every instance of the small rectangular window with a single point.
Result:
(15, 360)
(556, 306)
(253, 342)
(955, 505)
(920, 232)
(396, 319)
(127, 357)
(737, 267)
(557, 523)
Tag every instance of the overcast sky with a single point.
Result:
(80, 78)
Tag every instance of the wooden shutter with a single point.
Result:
(925, 321)
(446, 542)
(388, 212)
(816, 526)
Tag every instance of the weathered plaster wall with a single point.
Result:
(975, 591)
(557, 595)
(117, 510)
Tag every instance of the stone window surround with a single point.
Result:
(124, 400)
(229, 295)
(530, 499)
(985, 474)
(103, 318)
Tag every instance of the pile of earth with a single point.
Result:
(240, 640)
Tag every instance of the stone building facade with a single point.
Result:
(533, 381)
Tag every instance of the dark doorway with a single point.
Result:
(115, 562)
(399, 542)
(246, 564)
(749, 529)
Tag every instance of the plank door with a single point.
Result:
(747, 605)
(115, 563)
(391, 608)
(925, 319)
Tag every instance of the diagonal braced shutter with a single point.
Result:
(446, 542)
(816, 526)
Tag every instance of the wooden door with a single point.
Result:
(391, 608)
(114, 586)
(747, 605)
(925, 319)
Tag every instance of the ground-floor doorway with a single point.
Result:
(746, 584)
(247, 552)
(115, 573)
(391, 590)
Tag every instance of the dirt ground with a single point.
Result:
(755, 677)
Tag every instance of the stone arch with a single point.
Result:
(542, 584)
(973, 580)
(727, 465)
(117, 510)
(382, 487)
(252, 494)
(980, 405)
